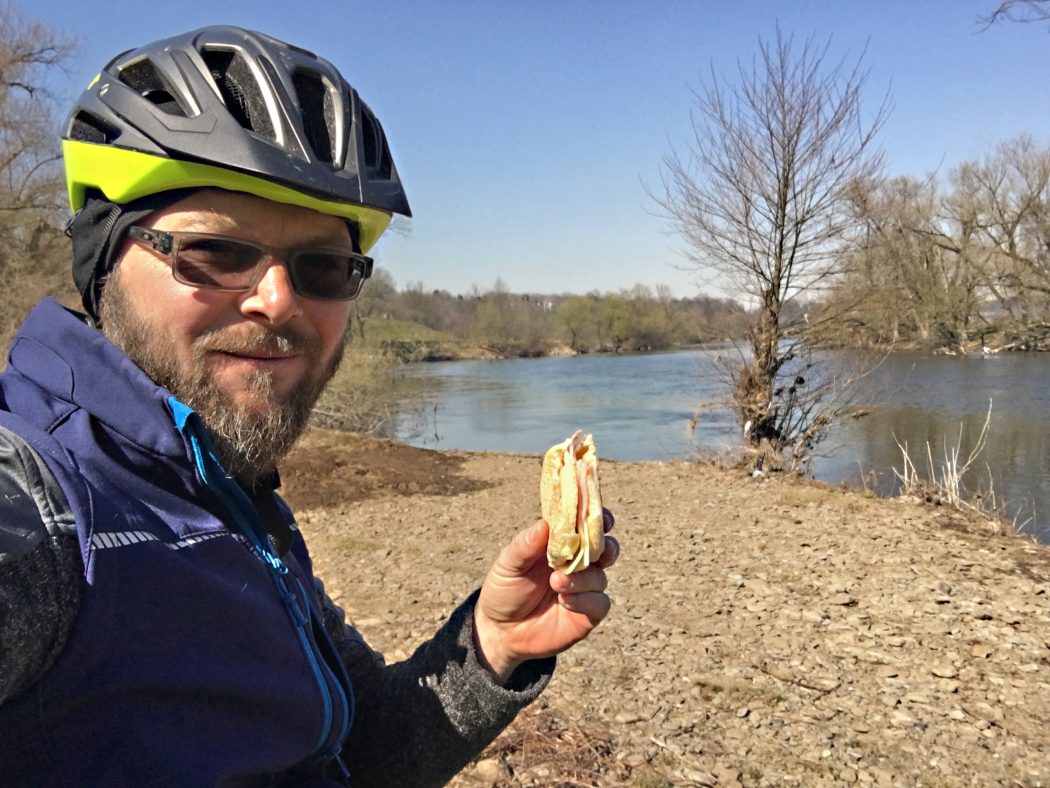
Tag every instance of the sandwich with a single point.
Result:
(571, 503)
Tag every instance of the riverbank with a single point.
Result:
(412, 351)
(764, 632)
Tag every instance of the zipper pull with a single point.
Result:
(279, 566)
(342, 768)
(292, 604)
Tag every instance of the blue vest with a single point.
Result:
(198, 657)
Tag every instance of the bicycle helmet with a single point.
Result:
(234, 109)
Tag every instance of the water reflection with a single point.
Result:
(640, 406)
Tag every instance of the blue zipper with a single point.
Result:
(240, 506)
(344, 725)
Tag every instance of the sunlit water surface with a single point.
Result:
(671, 405)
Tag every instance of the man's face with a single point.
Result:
(252, 363)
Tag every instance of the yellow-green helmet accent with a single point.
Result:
(124, 175)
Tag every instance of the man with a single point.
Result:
(159, 620)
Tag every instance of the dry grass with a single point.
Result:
(363, 395)
(942, 483)
(542, 747)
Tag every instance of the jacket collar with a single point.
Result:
(58, 351)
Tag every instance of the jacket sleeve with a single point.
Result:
(420, 721)
(40, 567)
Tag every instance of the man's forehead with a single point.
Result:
(247, 216)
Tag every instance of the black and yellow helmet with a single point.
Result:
(234, 109)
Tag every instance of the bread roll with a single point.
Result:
(571, 502)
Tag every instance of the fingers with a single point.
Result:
(608, 521)
(609, 554)
(584, 592)
(525, 548)
(593, 604)
(591, 579)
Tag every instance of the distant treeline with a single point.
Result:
(512, 324)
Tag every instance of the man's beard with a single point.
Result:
(249, 441)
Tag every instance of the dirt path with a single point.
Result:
(763, 633)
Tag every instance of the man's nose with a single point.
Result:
(273, 298)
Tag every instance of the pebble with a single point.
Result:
(900, 719)
(490, 769)
(698, 777)
(944, 671)
(632, 759)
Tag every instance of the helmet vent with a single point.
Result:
(142, 77)
(318, 113)
(88, 128)
(239, 90)
(377, 157)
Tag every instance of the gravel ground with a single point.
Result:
(764, 632)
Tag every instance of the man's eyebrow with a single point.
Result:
(330, 240)
(327, 239)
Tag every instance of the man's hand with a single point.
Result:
(527, 610)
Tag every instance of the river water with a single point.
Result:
(641, 407)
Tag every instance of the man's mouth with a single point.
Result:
(260, 355)
(270, 351)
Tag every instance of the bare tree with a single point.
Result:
(761, 195)
(34, 255)
(914, 275)
(1017, 11)
(1003, 202)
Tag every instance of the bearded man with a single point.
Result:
(160, 623)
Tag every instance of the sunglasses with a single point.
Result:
(218, 262)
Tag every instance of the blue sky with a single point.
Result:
(527, 133)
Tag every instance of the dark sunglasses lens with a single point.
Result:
(216, 262)
(326, 275)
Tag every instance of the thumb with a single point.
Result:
(525, 548)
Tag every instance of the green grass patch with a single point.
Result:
(380, 330)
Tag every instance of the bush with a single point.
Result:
(363, 395)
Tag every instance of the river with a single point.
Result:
(640, 407)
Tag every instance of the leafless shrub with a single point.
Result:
(363, 395)
(943, 482)
(812, 392)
